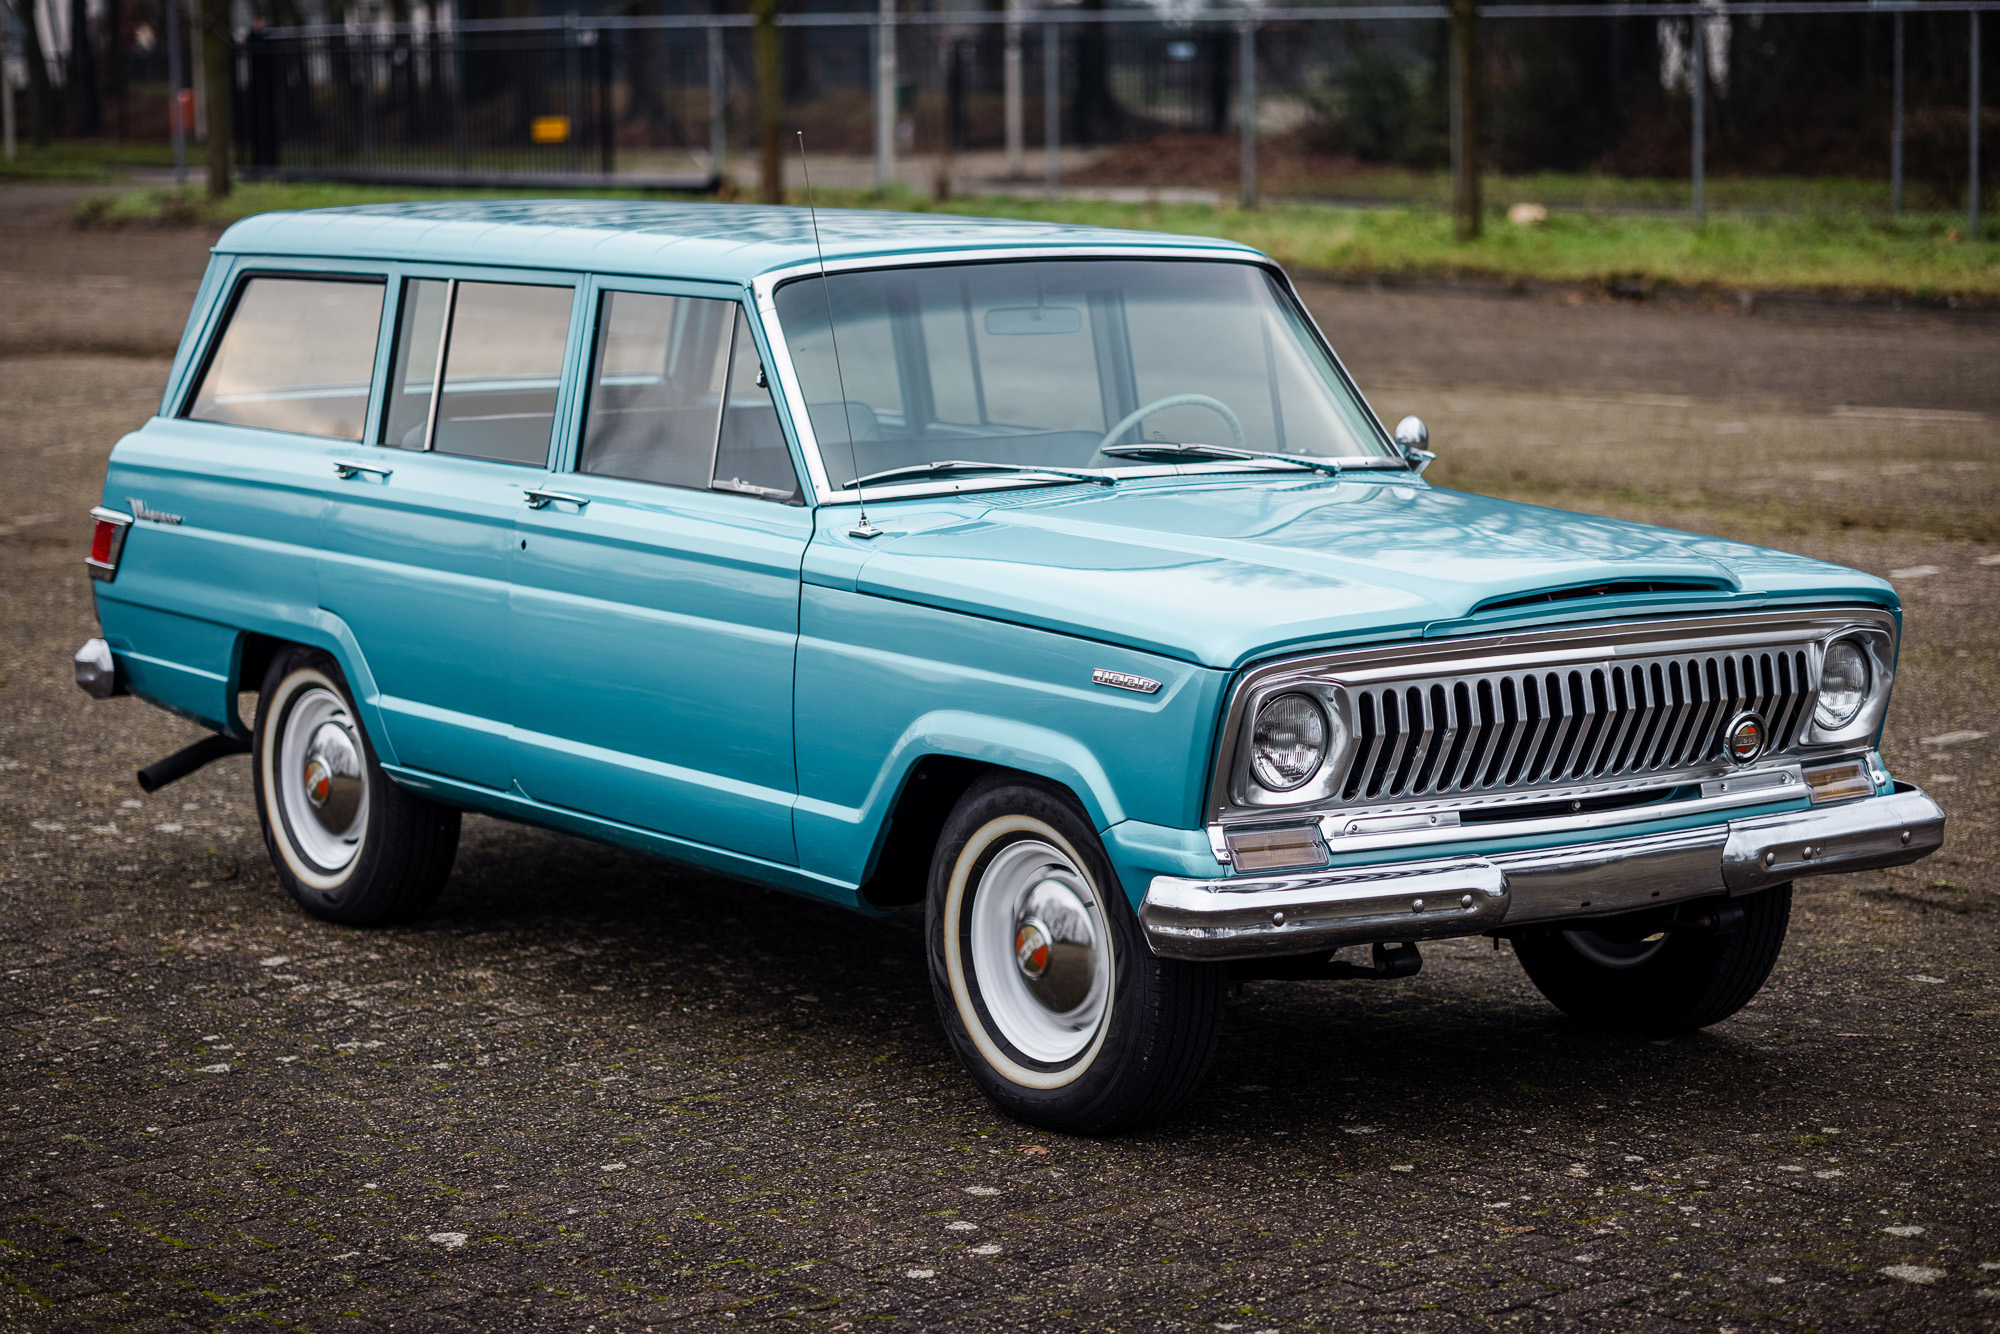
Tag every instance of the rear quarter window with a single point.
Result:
(297, 355)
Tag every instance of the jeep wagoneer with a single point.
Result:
(1057, 578)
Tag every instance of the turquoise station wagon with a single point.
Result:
(1059, 579)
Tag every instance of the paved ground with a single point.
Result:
(596, 1093)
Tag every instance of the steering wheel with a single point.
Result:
(1215, 405)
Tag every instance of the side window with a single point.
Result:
(752, 456)
(676, 398)
(477, 368)
(298, 355)
(656, 388)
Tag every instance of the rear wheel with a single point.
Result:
(346, 842)
(1059, 1011)
(1660, 976)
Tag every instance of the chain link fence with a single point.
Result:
(1352, 103)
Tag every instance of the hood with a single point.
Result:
(1226, 571)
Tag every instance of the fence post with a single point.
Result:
(1246, 114)
(1011, 77)
(606, 140)
(461, 137)
(1051, 106)
(170, 14)
(1972, 174)
(718, 109)
(885, 96)
(1896, 129)
(1698, 31)
(1465, 207)
(572, 93)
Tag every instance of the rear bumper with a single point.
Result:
(1253, 916)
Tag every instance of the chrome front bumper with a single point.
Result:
(1245, 917)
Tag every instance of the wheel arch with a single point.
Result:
(328, 634)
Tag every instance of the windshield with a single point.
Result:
(1050, 363)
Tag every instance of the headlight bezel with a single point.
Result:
(1247, 790)
(1878, 650)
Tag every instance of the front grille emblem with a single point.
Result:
(1743, 739)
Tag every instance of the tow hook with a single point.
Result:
(1723, 919)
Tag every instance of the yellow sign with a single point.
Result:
(549, 129)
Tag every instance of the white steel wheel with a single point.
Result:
(1057, 1008)
(320, 777)
(347, 843)
(1040, 954)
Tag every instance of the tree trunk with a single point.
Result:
(1465, 208)
(768, 61)
(217, 64)
(1095, 116)
(41, 100)
(87, 108)
(114, 65)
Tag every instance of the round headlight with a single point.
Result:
(1843, 684)
(1288, 742)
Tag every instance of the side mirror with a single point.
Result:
(1411, 437)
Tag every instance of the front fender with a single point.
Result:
(882, 685)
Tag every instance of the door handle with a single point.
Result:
(541, 500)
(348, 470)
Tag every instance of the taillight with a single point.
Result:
(107, 542)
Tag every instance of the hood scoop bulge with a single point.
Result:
(1605, 589)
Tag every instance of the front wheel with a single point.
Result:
(347, 843)
(1660, 977)
(1055, 1005)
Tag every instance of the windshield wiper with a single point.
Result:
(972, 465)
(1199, 451)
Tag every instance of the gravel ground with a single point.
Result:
(596, 1092)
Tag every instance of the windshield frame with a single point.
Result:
(764, 290)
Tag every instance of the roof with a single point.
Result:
(725, 242)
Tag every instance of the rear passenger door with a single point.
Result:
(419, 539)
(655, 602)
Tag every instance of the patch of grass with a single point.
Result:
(82, 160)
(193, 208)
(1915, 255)
(1919, 255)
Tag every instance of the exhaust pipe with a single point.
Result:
(184, 762)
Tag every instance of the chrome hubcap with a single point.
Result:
(321, 779)
(1040, 951)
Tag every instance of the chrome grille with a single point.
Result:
(1502, 731)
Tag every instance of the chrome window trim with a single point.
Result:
(764, 288)
(1567, 645)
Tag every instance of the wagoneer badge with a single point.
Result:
(1743, 739)
(1125, 681)
(140, 511)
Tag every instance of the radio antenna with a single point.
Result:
(863, 530)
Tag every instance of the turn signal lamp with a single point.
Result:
(1276, 849)
(1839, 782)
